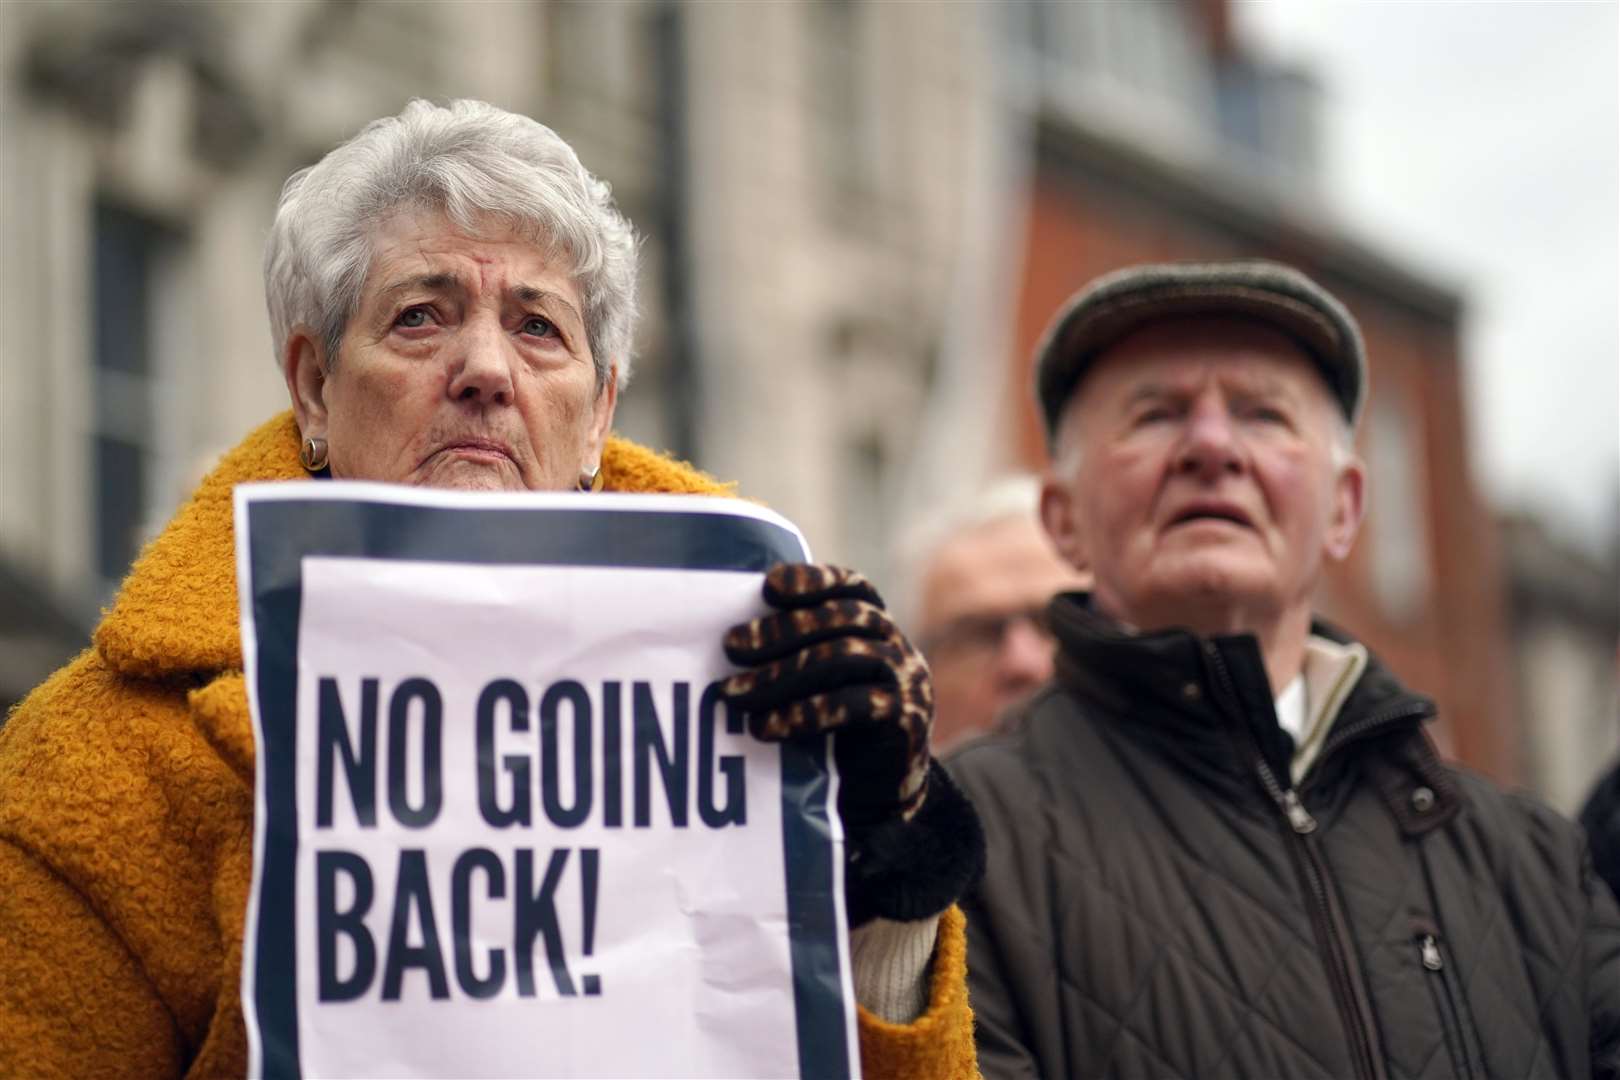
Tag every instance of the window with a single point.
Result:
(866, 502)
(131, 259)
(1269, 113)
(1398, 515)
(843, 109)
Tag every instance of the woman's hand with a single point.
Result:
(829, 660)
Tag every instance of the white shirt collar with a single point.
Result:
(1291, 708)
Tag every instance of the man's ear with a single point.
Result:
(607, 399)
(303, 365)
(1062, 523)
(1349, 506)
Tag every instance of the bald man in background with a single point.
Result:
(983, 573)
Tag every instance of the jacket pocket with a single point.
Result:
(1444, 984)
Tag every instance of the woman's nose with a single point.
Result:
(483, 365)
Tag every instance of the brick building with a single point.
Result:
(1565, 623)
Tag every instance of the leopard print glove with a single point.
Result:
(829, 659)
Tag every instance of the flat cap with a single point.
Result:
(1113, 305)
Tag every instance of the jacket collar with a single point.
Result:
(1170, 684)
(177, 612)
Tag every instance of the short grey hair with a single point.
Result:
(1008, 497)
(471, 162)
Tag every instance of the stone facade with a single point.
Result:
(798, 172)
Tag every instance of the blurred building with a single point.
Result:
(797, 171)
(858, 216)
(1565, 608)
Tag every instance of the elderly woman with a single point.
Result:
(452, 300)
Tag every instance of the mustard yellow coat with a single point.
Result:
(126, 822)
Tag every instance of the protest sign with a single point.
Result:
(504, 824)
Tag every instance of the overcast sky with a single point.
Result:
(1481, 141)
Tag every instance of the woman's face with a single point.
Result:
(465, 366)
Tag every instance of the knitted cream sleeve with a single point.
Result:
(890, 965)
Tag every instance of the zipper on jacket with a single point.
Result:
(1442, 981)
(1332, 932)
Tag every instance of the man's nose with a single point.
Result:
(482, 364)
(1209, 443)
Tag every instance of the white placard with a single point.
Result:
(505, 826)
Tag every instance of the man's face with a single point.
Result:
(980, 622)
(1198, 479)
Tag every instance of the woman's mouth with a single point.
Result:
(477, 450)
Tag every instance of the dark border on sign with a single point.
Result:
(283, 532)
(808, 851)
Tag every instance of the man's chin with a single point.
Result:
(1198, 583)
(1216, 566)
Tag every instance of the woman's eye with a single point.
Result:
(412, 318)
(535, 326)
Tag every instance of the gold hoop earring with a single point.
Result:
(312, 455)
(591, 481)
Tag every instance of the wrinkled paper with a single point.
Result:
(504, 825)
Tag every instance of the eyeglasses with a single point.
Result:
(982, 634)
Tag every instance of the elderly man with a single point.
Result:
(983, 573)
(1221, 844)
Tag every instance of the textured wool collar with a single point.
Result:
(177, 613)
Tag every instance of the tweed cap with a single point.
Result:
(1113, 305)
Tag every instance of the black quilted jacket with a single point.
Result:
(1159, 903)
(1601, 817)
